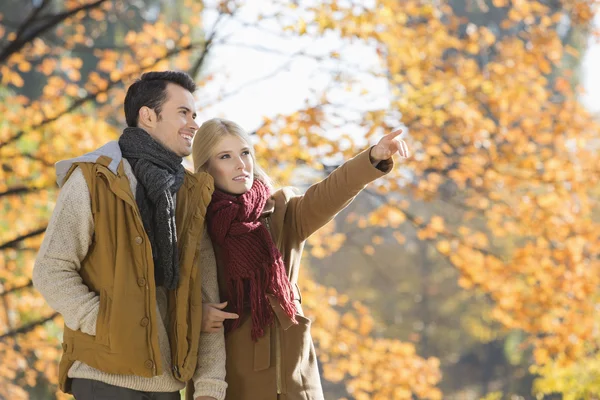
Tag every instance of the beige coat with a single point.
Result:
(283, 364)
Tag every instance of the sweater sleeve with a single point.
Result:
(66, 243)
(209, 377)
(323, 200)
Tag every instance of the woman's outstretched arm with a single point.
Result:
(323, 200)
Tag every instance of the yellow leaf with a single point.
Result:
(301, 28)
(16, 80)
(318, 252)
(437, 224)
(443, 246)
(24, 66)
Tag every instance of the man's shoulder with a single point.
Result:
(110, 154)
(75, 187)
(74, 179)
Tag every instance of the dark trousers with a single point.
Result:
(87, 389)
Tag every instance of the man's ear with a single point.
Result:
(147, 117)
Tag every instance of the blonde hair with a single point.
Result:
(209, 136)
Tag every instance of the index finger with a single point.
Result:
(395, 133)
(225, 315)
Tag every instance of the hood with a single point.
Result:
(111, 150)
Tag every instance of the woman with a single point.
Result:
(258, 237)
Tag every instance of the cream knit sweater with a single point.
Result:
(56, 277)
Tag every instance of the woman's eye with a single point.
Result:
(224, 156)
(246, 153)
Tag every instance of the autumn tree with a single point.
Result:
(502, 186)
(64, 67)
(490, 99)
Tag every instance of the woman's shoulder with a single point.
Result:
(280, 199)
(277, 206)
(286, 193)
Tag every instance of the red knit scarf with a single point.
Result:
(253, 264)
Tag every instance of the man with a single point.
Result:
(118, 259)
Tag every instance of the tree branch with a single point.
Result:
(17, 288)
(19, 42)
(92, 96)
(17, 190)
(235, 91)
(12, 243)
(28, 327)
(30, 19)
(200, 62)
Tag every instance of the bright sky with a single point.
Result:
(262, 80)
(590, 69)
(272, 82)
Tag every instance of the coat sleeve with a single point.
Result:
(209, 377)
(322, 201)
(66, 243)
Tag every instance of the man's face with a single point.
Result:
(175, 126)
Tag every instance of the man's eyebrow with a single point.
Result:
(187, 109)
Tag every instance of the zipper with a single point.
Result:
(278, 356)
(147, 243)
(175, 354)
(266, 219)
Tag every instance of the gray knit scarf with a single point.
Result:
(160, 175)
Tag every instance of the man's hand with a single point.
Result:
(388, 146)
(213, 317)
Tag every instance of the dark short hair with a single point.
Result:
(150, 90)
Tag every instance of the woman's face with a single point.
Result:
(232, 165)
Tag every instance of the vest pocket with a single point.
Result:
(103, 322)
